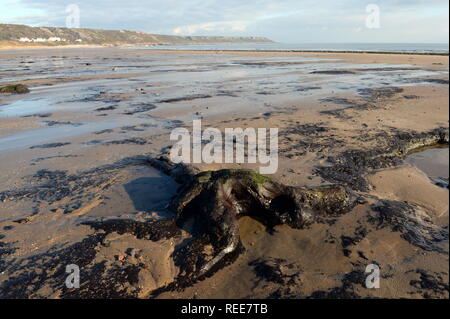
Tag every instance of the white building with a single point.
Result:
(56, 39)
(51, 39)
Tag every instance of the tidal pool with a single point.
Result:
(434, 162)
(25, 107)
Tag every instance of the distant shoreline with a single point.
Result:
(310, 51)
(9, 45)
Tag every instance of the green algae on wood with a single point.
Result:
(248, 177)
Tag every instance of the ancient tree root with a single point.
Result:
(210, 203)
(208, 206)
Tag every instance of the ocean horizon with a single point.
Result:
(435, 48)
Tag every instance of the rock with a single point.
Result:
(120, 257)
(14, 89)
(132, 252)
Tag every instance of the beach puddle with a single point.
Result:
(25, 107)
(58, 132)
(434, 162)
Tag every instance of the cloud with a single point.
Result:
(281, 20)
(221, 27)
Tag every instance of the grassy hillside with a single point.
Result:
(13, 32)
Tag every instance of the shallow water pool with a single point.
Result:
(434, 162)
(25, 107)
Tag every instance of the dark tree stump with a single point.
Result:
(208, 206)
(212, 202)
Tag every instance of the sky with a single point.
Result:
(288, 21)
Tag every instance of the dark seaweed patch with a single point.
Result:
(369, 99)
(52, 186)
(53, 123)
(142, 230)
(40, 159)
(133, 140)
(186, 98)
(333, 72)
(350, 166)
(106, 108)
(426, 80)
(307, 88)
(272, 270)
(415, 228)
(430, 283)
(380, 93)
(140, 109)
(27, 281)
(346, 290)
(104, 131)
(50, 145)
(39, 115)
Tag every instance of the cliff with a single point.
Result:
(63, 36)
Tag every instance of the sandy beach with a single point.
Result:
(79, 184)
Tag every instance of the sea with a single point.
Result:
(424, 48)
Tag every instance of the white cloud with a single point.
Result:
(221, 27)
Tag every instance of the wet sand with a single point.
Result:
(76, 148)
